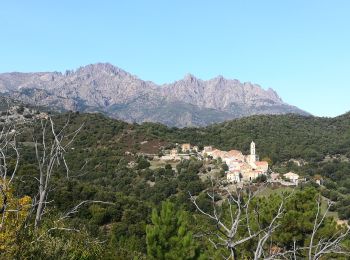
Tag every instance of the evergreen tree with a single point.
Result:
(169, 237)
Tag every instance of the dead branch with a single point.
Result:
(50, 154)
(227, 235)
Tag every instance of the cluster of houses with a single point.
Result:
(185, 152)
(287, 179)
(241, 168)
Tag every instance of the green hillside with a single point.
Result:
(279, 137)
(106, 164)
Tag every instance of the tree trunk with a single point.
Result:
(40, 208)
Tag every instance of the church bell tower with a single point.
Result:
(252, 152)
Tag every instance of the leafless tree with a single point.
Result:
(326, 246)
(318, 248)
(50, 151)
(51, 145)
(8, 152)
(9, 159)
(58, 223)
(244, 224)
(240, 216)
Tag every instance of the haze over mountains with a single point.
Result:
(105, 88)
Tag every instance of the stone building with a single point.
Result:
(292, 177)
(185, 147)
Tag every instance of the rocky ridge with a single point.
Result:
(105, 88)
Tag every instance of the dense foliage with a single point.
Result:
(109, 162)
(169, 237)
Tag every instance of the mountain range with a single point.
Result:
(110, 90)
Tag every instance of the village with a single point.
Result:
(240, 168)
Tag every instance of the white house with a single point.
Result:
(233, 176)
(232, 164)
(207, 149)
(292, 177)
(186, 147)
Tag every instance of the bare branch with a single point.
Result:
(50, 155)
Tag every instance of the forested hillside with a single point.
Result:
(112, 205)
(321, 144)
(278, 137)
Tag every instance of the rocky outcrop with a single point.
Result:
(105, 88)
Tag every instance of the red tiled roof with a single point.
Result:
(262, 163)
(234, 153)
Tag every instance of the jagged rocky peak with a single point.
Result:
(99, 68)
(108, 89)
(274, 94)
(219, 79)
(190, 78)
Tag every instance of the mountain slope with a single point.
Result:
(105, 88)
(279, 137)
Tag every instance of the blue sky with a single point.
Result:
(300, 48)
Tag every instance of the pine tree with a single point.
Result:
(169, 236)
